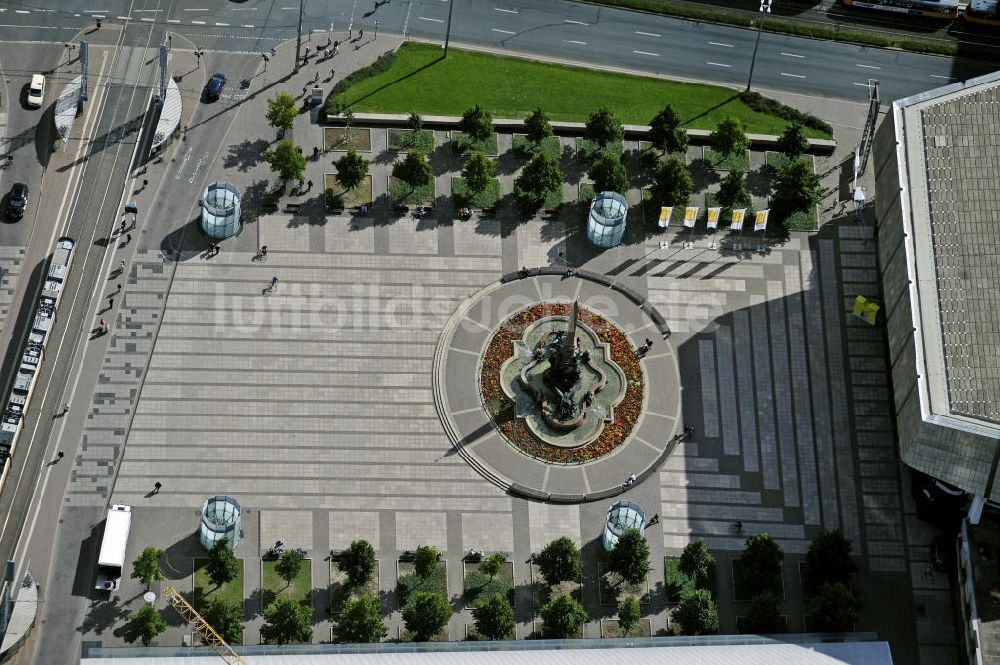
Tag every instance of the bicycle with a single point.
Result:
(737, 527)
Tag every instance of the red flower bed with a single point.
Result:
(501, 409)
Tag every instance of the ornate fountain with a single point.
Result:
(563, 381)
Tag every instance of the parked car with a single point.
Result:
(36, 91)
(17, 201)
(937, 501)
(213, 90)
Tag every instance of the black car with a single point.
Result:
(215, 84)
(17, 201)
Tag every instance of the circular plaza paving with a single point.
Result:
(495, 433)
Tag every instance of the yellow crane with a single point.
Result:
(202, 627)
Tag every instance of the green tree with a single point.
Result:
(729, 138)
(146, 566)
(493, 564)
(795, 188)
(426, 614)
(540, 176)
(286, 160)
(562, 618)
(478, 172)
(603, 128)
(476, 123)
(494, 617)
(560, 560)
(222, 566)
(281, 111)
(360, 621)
(358, 562)
(628, 614)
(226, 618)
(425, 560)
(761, 563)
(696, 561)
(537, 126)
(733, 190)
(672, 184)
(764, 615)
(287, 620)
(289, 565)
(793, 142)
(833, 610)
(415, 121)
(144, 624)
(414, 170)
(828, 561)
(696, 614)
(630, 557)
(608, 173)
(666, 133)
(352, 169)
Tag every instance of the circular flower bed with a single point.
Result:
(501, 409)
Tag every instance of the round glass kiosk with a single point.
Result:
(220, 210)
(220, 518)
(606, 222)
(622, 516)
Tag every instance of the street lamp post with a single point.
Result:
(376, 28)
(447, 33)
(298, 40)
(765, 9)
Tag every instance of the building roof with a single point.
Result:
(713, 651)
(950, 179)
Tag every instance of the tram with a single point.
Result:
(943, 9)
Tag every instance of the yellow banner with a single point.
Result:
(665, 213)
(690, 216)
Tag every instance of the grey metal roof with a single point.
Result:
(832, 653)
(961, 137)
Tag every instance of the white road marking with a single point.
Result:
(794, 76)
(91, 11)
(21, 11)
(792, 55)
(243, 9)
(569, 20)
(938, 76)
(868, 66)
(506, 11)
(285, 9)
(222, 25)
(654, 55)
(202, 9)
(124, 18)
(147, 10)
(198, 22)
(144, 18)
(647, 34)
(248, 25)
(721, 44)
(436, 20)
(573, 41)
(34, 27)
(506, 32)
(173, 20)
(718, 64)
(863, 85)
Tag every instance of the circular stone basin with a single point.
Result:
(601, 411)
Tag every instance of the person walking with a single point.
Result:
(121, 266)
(66, 407)
(128, 238)
(111, 301)
(60, 455)
(156, 487)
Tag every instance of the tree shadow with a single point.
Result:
(702, 174)
(573, 168)
(244, 156)
(508, 163)
(688, 121)
(102, 615)
(759, 181)
(177, 562)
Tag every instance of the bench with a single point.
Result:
(292, 207)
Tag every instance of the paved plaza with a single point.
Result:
(314, 406)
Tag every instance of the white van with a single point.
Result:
(36, 92)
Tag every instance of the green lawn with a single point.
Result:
(274, 587)
(802, 220)
(462, 145)
(421, 79)
(525, 147)
(407, 139)
(407, 195)
(776, 160)
(676, 583)
(205, 591)
(479, 587)
(487, 198)
(738, 162)
(408, 582)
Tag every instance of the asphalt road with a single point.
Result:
(552, 28)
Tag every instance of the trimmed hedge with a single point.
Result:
(384, 62)
(762, 104)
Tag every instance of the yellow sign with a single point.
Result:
(713, 217)
(690, 216)
(665, 213)
(865, 310)
(738, 216)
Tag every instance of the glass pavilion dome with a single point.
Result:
(606, 222)
(622, 516)
(220, 210)
(220, 518)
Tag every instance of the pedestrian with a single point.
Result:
(335, 45)
(310, 185)
(128, 238)
(156, 487)
(66, 407)
(60, 455)
(111, 301)
(122, 229)
(144, 183)
(315, 152)
(656, 518)
(333, 73)
(102, 326)
(121, 266)
(274, 52)
(118, 288)
(316, 77)
(263, 251)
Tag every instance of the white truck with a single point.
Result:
(111, 560)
